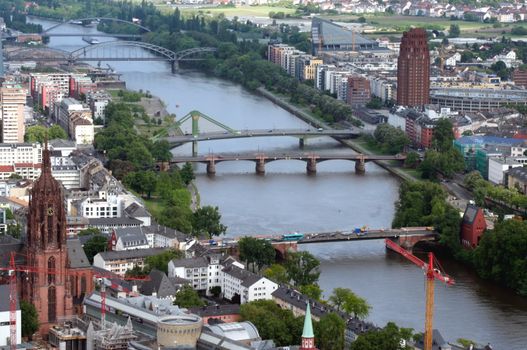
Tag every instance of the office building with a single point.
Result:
(413, 69)
(12, 105)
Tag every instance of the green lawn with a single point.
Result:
(258, 11)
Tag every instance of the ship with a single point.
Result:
(90, 40)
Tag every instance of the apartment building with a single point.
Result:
(12, 105)
(23, 159)
(120, 261)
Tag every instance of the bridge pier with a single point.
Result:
(211, 167)
(360, 166)
(260, 167)
(302, 142)
(194, 148)
(175, 66)
(311, 166)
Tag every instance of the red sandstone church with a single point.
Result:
(56, 295)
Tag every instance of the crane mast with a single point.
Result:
(431, 275)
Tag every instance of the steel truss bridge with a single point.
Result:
(113, 51)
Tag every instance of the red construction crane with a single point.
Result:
(13, 268)
(431, 273)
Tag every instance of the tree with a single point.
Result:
(89, 231)
(187, 173)
(161, 260)
(302, 268)
(56, 132)
(375, 103)
(215, 291)
(454, 31)
(187, 297)
(14, 230)
(277, 273)
(343, 299)
(273, 322)
(471, 179)
(312, 291)
(29, 318)
(387, 338)
(501, 255)
(329, 332)
(94, 245)
(161, 151)
(207, 221)
(412, 160)
(256, 251)
(135, 272)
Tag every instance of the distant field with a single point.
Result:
(258, 11)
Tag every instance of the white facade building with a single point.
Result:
(12, 106)
(498, 167)
(196, 270)
(104, 206)
(23, 159)
(98, 101)
(120, 261)
(247, 285)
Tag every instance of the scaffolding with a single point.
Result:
(113, 337)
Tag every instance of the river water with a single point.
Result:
(287, 200)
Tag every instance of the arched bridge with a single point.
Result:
(92, 19)
(311, 160)
(117, 51)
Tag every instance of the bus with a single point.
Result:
(292, 236)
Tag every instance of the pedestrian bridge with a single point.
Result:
(300, 133)
(261, 159)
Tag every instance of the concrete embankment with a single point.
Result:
(321, 124)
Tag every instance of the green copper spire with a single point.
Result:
(308, 325)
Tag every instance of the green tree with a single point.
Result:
(187, 173)
(38, 133)
(277, 273)
(56, 132)
(94, 245)
(29, 318)
(135, 272)
(302, 268)
(501, 255)
(312, 291)
(161, 151)
(375, 103)
(329, 332)
(89, 231)
(387, 338)
(471, 179)
(187, 297)
(273, 322)
(454, 31)
(14, 230)
(412, 160)
(343, 299)
(161, 260)
(256, 251)
(393, 140)
(207, 221)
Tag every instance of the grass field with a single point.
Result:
(257, 11)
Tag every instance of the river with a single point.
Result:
(287, 200)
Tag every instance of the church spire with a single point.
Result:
(308, 337)
(46, 160)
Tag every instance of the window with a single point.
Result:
(51, 266)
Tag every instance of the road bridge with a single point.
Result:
(91, 20)
(406, 237)
(261, 159)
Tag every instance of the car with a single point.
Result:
(320, 129)
(270, 130)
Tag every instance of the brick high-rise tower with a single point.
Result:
(413, 70)
(46, 249)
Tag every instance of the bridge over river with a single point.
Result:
(261, 159)
(406, 237)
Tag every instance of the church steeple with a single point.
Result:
(308, 337)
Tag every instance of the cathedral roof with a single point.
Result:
(46, 182)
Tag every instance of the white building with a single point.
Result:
(98, 100)
(129, 238)
(120, 261)
(517, 151)
(498, 166)
(106, 205)
(453, 60)
(76, 119)
(247, 285)
(195, 270)
(12, 106)
(23, 159)
(5, 324)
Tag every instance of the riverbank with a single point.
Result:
(354, 145)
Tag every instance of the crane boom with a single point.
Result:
(431, 274)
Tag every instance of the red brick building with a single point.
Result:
(520, 77)
(472, 226)
(359, 92)
(419, 128)
(53, 294)
(413, 70)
